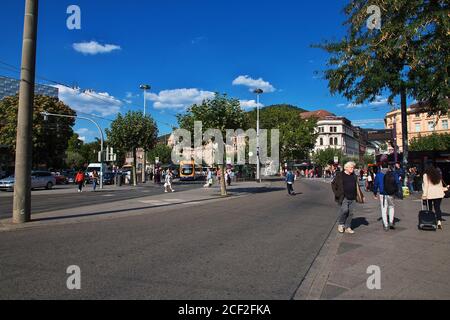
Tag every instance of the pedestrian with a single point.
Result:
(95, 179)
(290, 182)
(434, 191)
(168, 182)
(370, 180)
(79, 179)
(347, 193)
(400, 175)
(228, 177)
(411, 179)
(209, 179)
(387, 184)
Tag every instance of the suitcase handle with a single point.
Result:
(426, 201)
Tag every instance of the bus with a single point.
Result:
(189, 171)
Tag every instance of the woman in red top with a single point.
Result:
(79, 179)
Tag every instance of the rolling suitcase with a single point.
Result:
(427, 219)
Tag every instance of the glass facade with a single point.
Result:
(10, 87)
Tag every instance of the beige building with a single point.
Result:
(419, 124)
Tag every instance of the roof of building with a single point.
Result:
(319, 114)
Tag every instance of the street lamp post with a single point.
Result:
(102, 139)
(258, 92)
(144, 87)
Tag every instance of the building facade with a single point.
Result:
(335, 132)
(419, 124)
(10, 87)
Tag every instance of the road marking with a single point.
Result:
(107, 195)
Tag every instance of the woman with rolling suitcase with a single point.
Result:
(434, 192)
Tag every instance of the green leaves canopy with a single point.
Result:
(50, 138)
(434, 142)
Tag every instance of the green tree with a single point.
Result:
(130, 132)
(220, 113)
(50, 137)
(434, 142)
(409, 56)
(326, 156)
(161, 151)
(297, 136)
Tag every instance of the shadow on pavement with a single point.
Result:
(358, 222)
(116, 211)
(255, 190)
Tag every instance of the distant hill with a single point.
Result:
(284, 107)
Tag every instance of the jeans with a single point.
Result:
(290, 188)
(95, 184)
(80, 186)
(411, 186)
(387, 209)
(346, 213)
(436, 204)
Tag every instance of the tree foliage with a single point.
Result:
(410, 55)
(219, 113)
(326, 156)
(297, 136)
(130, 132)
(434, 142)
(50, 137)
(161, 151)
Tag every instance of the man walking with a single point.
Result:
(168, 181)
(79, 180)
(347, 193)
(290, 178)
(387, 183)
(400, 176)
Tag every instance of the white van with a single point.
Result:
(97, 167)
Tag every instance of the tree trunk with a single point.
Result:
(134, 175)
(405, 141)
(223, 185)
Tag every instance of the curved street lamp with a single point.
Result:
(144, 87)
(258, 92)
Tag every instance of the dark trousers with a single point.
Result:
(435, 205)
(290, 188)
(80, 186)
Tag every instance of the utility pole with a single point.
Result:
(22, 184)
(405, 140)
(258, 147)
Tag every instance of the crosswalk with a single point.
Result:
(165, 202)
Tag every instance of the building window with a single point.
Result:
(430, 125)
(335, 141)
(417, 115)
(444, 124)
(418, 127)
(331, 141)
(321, 141)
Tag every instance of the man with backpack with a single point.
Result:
(290, 179)
(388, 184)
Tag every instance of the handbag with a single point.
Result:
(446, 193)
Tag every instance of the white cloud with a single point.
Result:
(179, 98)
(249, 104)
(354, 106)
(253, 84)
(379, 101)
(94, 48)
(89, 101)
(82, 139)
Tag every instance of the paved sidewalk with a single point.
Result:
(414, 264)
(137, 206)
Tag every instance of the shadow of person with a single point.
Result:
(356, 223)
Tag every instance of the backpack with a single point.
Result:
(390, 186)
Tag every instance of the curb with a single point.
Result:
(315, 280)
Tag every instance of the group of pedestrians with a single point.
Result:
(386, 185)
(80, 180)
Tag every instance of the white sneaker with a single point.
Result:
(341, 229)
(349, 231)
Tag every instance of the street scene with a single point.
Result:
(300, 155)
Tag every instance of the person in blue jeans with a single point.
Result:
(290, 178)
(387, 184)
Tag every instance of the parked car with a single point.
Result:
(109, 178)
(61, 179)
(39, 179)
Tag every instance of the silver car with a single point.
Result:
(39, 179)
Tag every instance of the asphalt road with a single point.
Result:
(63, 197)
(255, 247)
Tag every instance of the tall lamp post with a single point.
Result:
(144, 87)
(102, 139)
(258, 92)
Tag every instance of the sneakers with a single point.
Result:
(392, 226)
(341, 229)
(386, 229)
(439, 225)
(349, 231)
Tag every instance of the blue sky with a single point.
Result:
(185, 49)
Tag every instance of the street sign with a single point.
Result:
(157, 160)
(336, 159)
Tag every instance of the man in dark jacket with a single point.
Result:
(347, 193)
